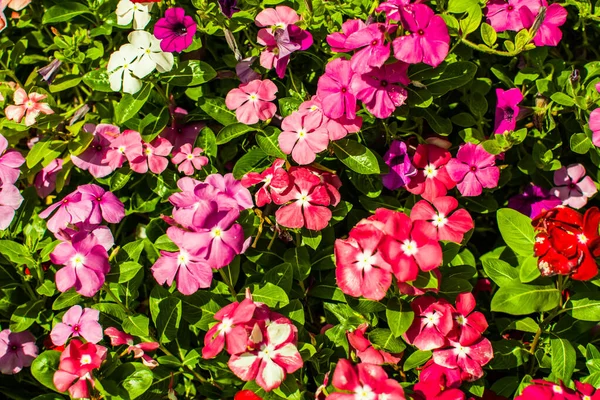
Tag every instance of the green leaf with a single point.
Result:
(98, 80)
(311, 238)
(488, 34)
(563, 99)
(299, 259)
(584, 306)
(134, 379)
(207, 141)
(253, 160)
(44, 367)
(230, 132)
(356, 156)
(16, 253)
(136, 325)
(439, 124)
(399, 316)
(131, 104)
(268, 140)
(455, 75)
(217, 110)
(45, 152)
(529, 269)
(128, 270)
(65, 11)
(66, 299)
(416, 359)
(516, 231)
(563, 359)
(190, 73)
(25, 315)
(385, 339)
(281, 275)
(520, 299)
(524, 325)
(65, 82)
(580, 143)
(271, 295)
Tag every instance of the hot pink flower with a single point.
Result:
(274, 178)
(252, 101)
(105, 205)
(154, 156)
(45, 180)
(28, 106)
(504, 15)
(179, 134)
(10, 162)
(473, 169)
(394, 8)
(380, 88)
(335, 91)
(549, 33)
(360, 268)
(17, 350)
(189, 159)
(336, 128)
(442, 223)
(469, 358)
(71, 209)
(471, 325)
(74, 372)
(118, 338)
(438, 383)
(128, 146)
(94, 158)
(428, 41)
(337, 40)
(85, 264)
(507, 109)
(77, 322)
(432, 325)
(587, 391)
(231, 329)
(365, 350)
(303, 137)
(541, 389)
(374, 52)
(176, 30)
(10, 201)
(432, 179)
(227, 190)
(594, 125)
(365, 381)
(572, 186)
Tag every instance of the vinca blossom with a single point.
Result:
(10, 201)
(153, 157)
(337, 40)
(438, 383)
(469, 358)
(127, 146)
(541, 389)
(471, 324)
(189, 159)
(273, 179)
(473, 169)
(335, 90)
(10, 162)
(180, 134)
(432, 325)
(363, 381)
(17, 351)
(337, 128)
(594, 125)
(303, 137)
(70, 210)
(118, 338)
(507, 110)
(505, 15)
(432, 179)
(364, 348)
(149, 55)
(28, 106)
(176, 30)
(77, 322)
(444, 222)
(573, 187)
(533, 201)
(95, 158)
(77, 362)
(252, 101)
(128, 11)
(548, 33)
(373, 52)
(230, 329)
(45, 180)
(121, 71)
(105, 205)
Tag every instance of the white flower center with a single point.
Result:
(430, 171)
(29, 104)
(183, 258)
(365, 261)
(148, 151)
(461, 320)
(226, 325)
(461, 351)
(86, 359)
(190, 156)
(439, 220)
(266, 351)
(432, 319)
(268, 179)
(121, 149)
(216, 232)
(557, 389)
(409, 247)
(314, 108)
(540, 239)
(78, 260)
(303, 198)
(301, 134)
(148, 51)
(581, 238)
(253, 97)
(364, 393)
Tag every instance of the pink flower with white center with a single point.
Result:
(10, 201)
(594, 125)
(17, 350)
(230, 329)
(94, 158)
(381, 90)
(374, 52)
(363, 382)
(45, 180)
(274, 179)
(335, 90)
(154, 156)
(473, 169)
(336, 128)
(469, 358)
(471, 325)
(77, 322)
(105, 205)
(276, 18)
(252, 101)
(541, 389)
(365, 350)
(360, 267)
(303, 137)
(432, 179)
(29, 107)
(505, 15)
(10, 162)
(442, 222)
(572, 186)
(433, 323)
(85, 264)
(275, 356)
(74, 372)
(127, 146)
(70, 210)
(118, 338)
(337, 40)
(189, 159)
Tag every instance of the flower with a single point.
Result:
(337, 40)
(541, 389)
(149, 55)
(363, 381)
(189, 159)
(48, 73)
(10, 201)
(176, 30)
(401, 169)
(121, 72)
(438, 383)
(533, 201)
(505, 15)
(441, 223)
(228, 7)
(230, 329)
(277, 18)
(471, 325)
(572, 186)
(507, 109)
(226, 190)
(587, 391)
(105, 205)
(45, 180)
(27, 106)
(17, 350)
(335, 90)
(15, 5)
(118, 338)
(337, 128)
(365, 350)
(274, 179)
(70, 210)
(77, 322)
(432, 179)
(139, 13)
(252, 101)
(374, 52)
(246, 395)
(473, 169)
(433, 323)
(428, 41)
(548, 33)
(303, 136)
(128, 146)
(244, 71)
(154, 156)
(95, 158)
(10, 162)
(594, 125)
(469, 358)
(75, 368)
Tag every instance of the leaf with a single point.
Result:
(131, 104)
(65, 11)
(136, 325)
(268, 141)
(190, 73)
(584, 306)
(134, 379)
(488, 34)
(299, 259)
(65, 82)
(563, 359)
(455, 75)
(520, 299)
(516, 231)
(524, 325)
(529, 270)
(230, 132)
(281, 276)
(45, 151)
(356, 156)
(44, 366)
(399, 316)
(271, 295)
(439, 124)
(580, 143)
(66, 299)
(16, 253)
(98, 80)
(416, 359)
(128, 270)
(255, 159)
(25, 315)
(385, 339)
(217, 110)
(563, 99)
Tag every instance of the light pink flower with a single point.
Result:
(274, 178)
(504, 15)
(594, 125)
(252, 101)
(279, 44)
(572, 186)
(433, 323)
(365, 350)
(303, 137)
(75, 368)
(335, 91)
(95, 158)
(118, 338)
(189, 159)
(70, 210)
(229, 191)
(432, 179)
(374, 52)
(10, 201)
(473, 169)
(102, 233)
(468, 358)
(105, 205)
(154, 156)
(27, 106)
(442, 223)
(549, 33)
(337, 128)
(128, 146)
(77, 322)
(337, 40)
(428, 41)
(230, 329)
(17, 350)
(10, 162)
(278, 17)
(45, 180)
(364, 381)
(507, 109)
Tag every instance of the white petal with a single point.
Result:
(272, 373)
(278, 333)
(140, 39)
(141, 16)
(124, 12)
(155, 44)
(115, 79)
(131, 84)
(132, 51)
(116, 60)
(143, 66)
(163, 61)
(241, 365)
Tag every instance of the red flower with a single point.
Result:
(443, 222)
(246, 395)
(365, 350)
(432, 179)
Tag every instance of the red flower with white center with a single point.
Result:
(433, 323)
(365, 350)
(442, 223)
(74, 372)
(471, 325)
(274, 179)
(432, 179)
(468, 358)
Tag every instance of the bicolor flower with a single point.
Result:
(364, 348)
(229, 330)
(337, 128)
(363, 381)
(252, 101)
(77, 362)
(118, 338)
(594, 125)
(432, 179)
(28, 106)
(373, 52)
(469, 358)
(70, 210)
(433, 323)
(473, 169)
(471, 324)
(128, 146)
(274, 178)
(77, 322)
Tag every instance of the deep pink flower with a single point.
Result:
(401, 169)
(337, 40)
(374, 52)
(118, 338)
(74, 372)
(10, 162)
(336, 128)
(252, 101)
(473, 169)
(364, 381)
(226, 190)
(505, 15)
(594, 125)
(572, 186)
(230, 329)
(365, 350)
(433, 323)
(105, 205)
(587, 391)
(17, 350)
(469, 358)
(394, 8)
(442, 223)
(549, 33)
(45, 180)
(507, 109)
(303, 136)
(438, 383)
(179, 134)
(335, 90)
(541, 389)
(381, 90)
(26, 106)
(176, 30)
(128, 146)
(471, 325)
(274, 178)
(154, 156)
(94, 158)
(70, 210)
(10, 201)
(77, 322)
(428, 41)
(432, 179)
(189, 159)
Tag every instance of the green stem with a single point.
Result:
(485, 49)
(116, 299)
(228, 283)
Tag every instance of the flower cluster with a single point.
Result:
(10, 197)
(17, 350)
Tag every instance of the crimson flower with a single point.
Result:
(442, 223)
(432, 179)
(469, 358)
(364, 381)
(274, 178)
(433, 323)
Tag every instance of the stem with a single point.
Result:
(228, 283)
(116, 299)
(485, 49)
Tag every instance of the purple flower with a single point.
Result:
(401, 169)
(48, 73)
(572, 186)
(533, 201)
(176, 30)
(17, 350)
(228, 7)
(507, 109)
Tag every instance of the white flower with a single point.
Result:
(139, 13)
(121, 73)
(146, 49)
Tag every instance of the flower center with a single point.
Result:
(98, 148)
(430, 171)
(461, 351)
(581, 238)
(344, 90)
(510, 8)
(509, 113)
(148, 151)
(266, 351)
(364, 393)
(301, 134)
(181, 30)
(121, 149)
(473, 168)
(432, 319)
(557, 389)
(14, 347)
(461, 320)
(268, 179)
(384, 83)
(365, 261)
(314, 108)
(409, 247)
(226, 325)
(216, 232)
(183, 258)
(29, 104)
(86, 359)
(253, 97)
(77, 260)
(439, 220)
(303, 198)
(190, 156)
(148, 51)
(572, 185)
(421, 32)
(374, 43)
(75, 328)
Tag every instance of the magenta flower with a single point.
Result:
(77, 322)
(154, 156)
(105, 205)
(45, 180)
(549, 33)
(70, 210)
(252, 101)
(17, 350)
(401, 169)
(505, 15)
(226, 190)
(336, 128)
(363, 381)
(394, 8)
(534, 201)
(572, 186)
(10, 162)
(10, 201)
(469, 358)
(230, 329)
(507, 109)
(442, 223)
(274, 179)
(26, 106)
(189, 159)
(128, 146)
(428, 41)
(102, 233)
(118, 338)
(85, 264)
(471, 325)
(335, 91)
(337, 40)
(381, 90)
(432, 325)
(303, 137)
(541, 389)
(374, 52)
(176, 30)
(473, 169)
(94, 158)
(179, 134)
(438, 383)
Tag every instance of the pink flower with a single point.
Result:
(541, 389)
(473, 169)
(28, 106)
(231, 329)
(337, 40)
(45, 180)
(507, 110)
(85, 264)
(438, 383)
(428, 41)
(549, 33)
(365, 350)
(17, 350)
(471, 325)
(189, 159)
(278, 17)
(94, 158)
(179, 134)
(433, 323)
(572, 186)
(10, 162)
(303, 137)
(336, 128)
(154, 156)
(176, 30)
(441, 223)
(335, 91)
(469, 358)
(71, 210)
(74, 372)
(394, 8)
(128, 146)
(374, 52)
(105, 205)
(381, 90)
(587, 391)
(594, 125)
(252, 101)
(505, 15)
(118, 338)
(228, 191)
(274, 178)
(280, 44)
(101, 232)
(360, 267)
(432, 179)
(10, 201)
(365, 381)
(77, 322)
